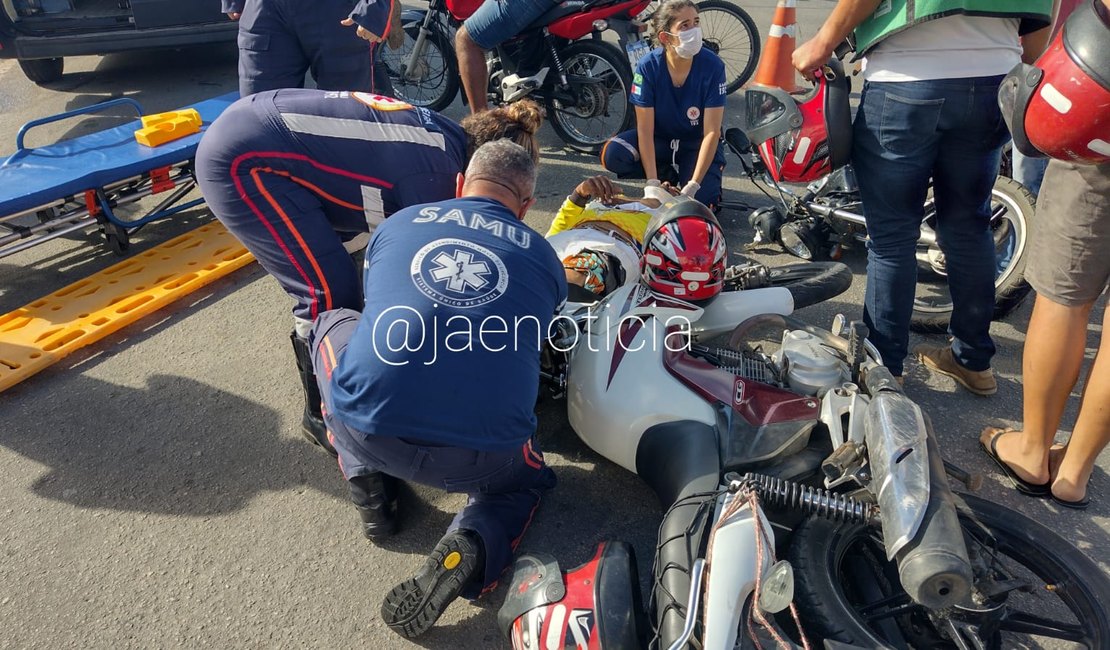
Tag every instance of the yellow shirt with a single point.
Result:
(570, 215)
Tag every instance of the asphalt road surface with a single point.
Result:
(156, 491)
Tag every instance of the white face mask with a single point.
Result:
(689, 43)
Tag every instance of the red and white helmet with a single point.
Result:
(595, 606)
(801, 139)
(1060, 106)
(684, 252)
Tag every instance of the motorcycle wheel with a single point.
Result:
(436, 81)
(811, 283)
(731, 34)
(599, 79)
(1013, 208)
(848, 592)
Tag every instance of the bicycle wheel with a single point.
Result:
(731, 34)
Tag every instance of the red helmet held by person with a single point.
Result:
(1060, 106)
(684, 252)
(802, 139)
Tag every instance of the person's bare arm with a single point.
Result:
(845, 17)
(645, 140)
(1035, 43)
(709, 143)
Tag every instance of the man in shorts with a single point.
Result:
(495, 22)
(1069, 272)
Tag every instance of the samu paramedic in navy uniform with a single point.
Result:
(436, 380)
(280, 40)
(679, 92)
(302, 177)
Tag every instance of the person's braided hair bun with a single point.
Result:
(527, 114)
(518, 122)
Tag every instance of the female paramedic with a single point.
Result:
(302, 177)
(679, 94)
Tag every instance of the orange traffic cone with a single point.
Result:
(775, 68)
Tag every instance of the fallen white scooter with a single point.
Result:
(817, 431)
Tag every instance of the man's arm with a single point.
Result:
(595, 187)
(233, 8)
(846, 16)
(372, 18)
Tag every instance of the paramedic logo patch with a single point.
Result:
(458, 273)
(693, 113)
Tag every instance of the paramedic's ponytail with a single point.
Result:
(518, 122)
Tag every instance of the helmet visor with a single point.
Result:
(769, 112)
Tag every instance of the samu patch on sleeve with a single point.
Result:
(722, 89)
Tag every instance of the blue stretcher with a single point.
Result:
(50, 191)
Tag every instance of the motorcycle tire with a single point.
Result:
(812, 282)
(731, 34)
(438, 81)
(1010, 286)
(841, 568)
(579, 59)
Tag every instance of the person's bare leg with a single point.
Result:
(1092, 428)
(1053, 355)
(472, 70)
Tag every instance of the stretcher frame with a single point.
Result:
(78, 211)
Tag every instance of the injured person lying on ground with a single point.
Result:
(600, 235)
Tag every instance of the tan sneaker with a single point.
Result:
(940, 359)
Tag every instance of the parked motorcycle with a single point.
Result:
(814, 438)
(584, 82)
(826, 218)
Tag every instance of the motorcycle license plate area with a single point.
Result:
(636, 51)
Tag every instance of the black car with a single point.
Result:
(40, 32)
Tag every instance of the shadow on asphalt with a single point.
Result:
(142, 457)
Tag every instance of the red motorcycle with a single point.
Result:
(583, 82)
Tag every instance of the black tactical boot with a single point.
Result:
(375, 499)
(414, 606)
(312, 423)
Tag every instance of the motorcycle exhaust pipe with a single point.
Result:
(918, 512)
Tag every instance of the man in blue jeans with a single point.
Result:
(436, 380)
(929, 111)
(495, 22)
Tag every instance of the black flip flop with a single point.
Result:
(1074, 505)
(1020, 484)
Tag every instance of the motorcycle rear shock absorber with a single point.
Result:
(781, 493)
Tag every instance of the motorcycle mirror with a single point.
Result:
(777, 588)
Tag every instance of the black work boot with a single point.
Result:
(312, 422)
(414, 606)
(375, 499)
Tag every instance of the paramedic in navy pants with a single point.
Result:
(302, 177)
(280, 40)
(679, 94)
(436, 380)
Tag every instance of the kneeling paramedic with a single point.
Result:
(436, 380)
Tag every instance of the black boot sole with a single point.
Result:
(412, 607)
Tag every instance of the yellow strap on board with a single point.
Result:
(42, 332)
